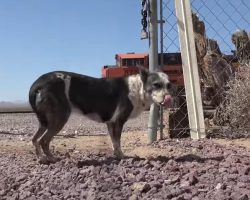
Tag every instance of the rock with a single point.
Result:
(221, 186)
(234, 170)
(244, 197)
(218, 186)
(192, 179)
(133, 197)
(21, 178)
(172, 181)
(241, 185)
(246, 170)
(141, 186)
(184, 184)
(222, 169)
(155, 184)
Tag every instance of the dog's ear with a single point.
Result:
(144, 73)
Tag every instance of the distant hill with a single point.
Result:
(17, 106)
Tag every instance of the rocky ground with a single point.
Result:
(168, 169)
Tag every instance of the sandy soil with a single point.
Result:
(133, 144)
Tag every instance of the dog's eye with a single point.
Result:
(157, 85)
(168, 86)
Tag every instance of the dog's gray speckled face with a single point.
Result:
(158, 87)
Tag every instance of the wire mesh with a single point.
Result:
(221, 31)
(225, 22)
(176, 118)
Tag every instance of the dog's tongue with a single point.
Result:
(167, 101)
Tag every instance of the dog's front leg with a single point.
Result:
(115, 130)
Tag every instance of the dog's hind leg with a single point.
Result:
(35, 138)
(115, 130)
(41, 130)
(57, 120)
(55, 112)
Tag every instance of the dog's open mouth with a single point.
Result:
(167, 102)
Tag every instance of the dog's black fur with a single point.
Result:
(110, 100)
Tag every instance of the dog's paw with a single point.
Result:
(118, 154)
(48, 160)
(43, 160)
(53, 159)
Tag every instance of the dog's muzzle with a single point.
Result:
(167, 102)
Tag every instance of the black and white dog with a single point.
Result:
(109, 100)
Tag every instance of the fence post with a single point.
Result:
(190, 69)
(161, 21)
(153, 66)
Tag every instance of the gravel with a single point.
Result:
(214, 172)
(211, 171)
(26, 123)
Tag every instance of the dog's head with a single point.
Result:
(157, 87)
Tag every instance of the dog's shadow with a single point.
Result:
(163, 159)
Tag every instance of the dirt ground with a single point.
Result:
(167, 169)
(133, 144)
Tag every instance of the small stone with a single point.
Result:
(155, 184)
(184, 184)
(21, 178)
(234, 170)
(221, 186)
(172, 181)
(241, 185)
(222, 169)
(2, 192)
(244, 197)
(133, 197)
(192, 179)
(141, 186)
(218, 186)
(246, 170)
(85, 171)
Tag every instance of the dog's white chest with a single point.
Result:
(136, 95)
(138, 108)
(136, 111)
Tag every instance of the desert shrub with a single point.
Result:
(234, 112)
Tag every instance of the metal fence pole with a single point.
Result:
(190, 69)
(161, 21)
(153, 66)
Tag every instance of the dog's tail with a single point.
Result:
(32, 98)
(35, 97)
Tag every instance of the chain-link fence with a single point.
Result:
(177, 116)
(221, 33)
(224, 51)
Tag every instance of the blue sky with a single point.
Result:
(37, 36)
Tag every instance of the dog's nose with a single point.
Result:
(167, 101)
